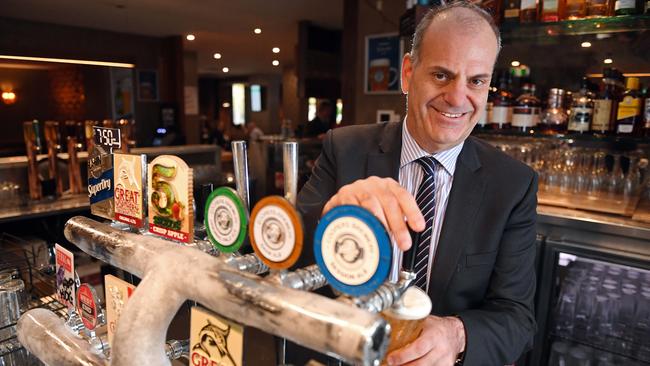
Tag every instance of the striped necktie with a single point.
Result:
(426, 200)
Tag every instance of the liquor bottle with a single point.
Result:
(528, 13)
(626, 7)
(555, 116)
(582, 109)
(646, 112)
(628, 118)
(605, 104)
(501, 105)
(575, 9)
(551, 10)
(527, 109)
(511, 11)
(483, 121)
(598, 8)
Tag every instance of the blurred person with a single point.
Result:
(318, 126)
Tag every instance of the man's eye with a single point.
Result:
(478, 82)
(440, 76)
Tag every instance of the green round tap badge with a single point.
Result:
(226, 219)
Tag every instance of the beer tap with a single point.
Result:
(240, 162)
(73, 146)
(52, 139)
(33, 146)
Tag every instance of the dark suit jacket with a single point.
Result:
(483, 270)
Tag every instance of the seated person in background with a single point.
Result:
(318, 126)
(254, 132)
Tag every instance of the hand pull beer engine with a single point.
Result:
(351, 246)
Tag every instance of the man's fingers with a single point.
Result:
(396, 224)
(410, 208)
(372, 204)
(412, 352)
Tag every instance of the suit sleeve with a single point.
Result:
(315, 193)
(504, 326)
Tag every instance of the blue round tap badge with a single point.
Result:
(352, 250)
(226, 219)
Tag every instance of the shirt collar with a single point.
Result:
(411, 152)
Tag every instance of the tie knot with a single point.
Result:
(428, 164)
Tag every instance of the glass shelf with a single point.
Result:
(614, 24)
(620, 143)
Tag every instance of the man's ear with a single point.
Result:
(407, 71)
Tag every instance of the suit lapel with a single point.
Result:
(464, 199)
(385, 162)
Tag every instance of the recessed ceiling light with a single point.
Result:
(585, 44)
(257, 30)
(275, 62)
(190, 37)
(276, 50)
(217, 55)
(515, 63)
(608, 61)
(225, 69)
(226, 105)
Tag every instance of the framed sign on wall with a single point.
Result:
(382, 64)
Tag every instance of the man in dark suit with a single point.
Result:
(480, 274)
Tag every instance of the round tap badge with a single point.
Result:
(353, 250)
(276, 232)
(226, 219)
(88, 306)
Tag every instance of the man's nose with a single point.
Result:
(456, 93)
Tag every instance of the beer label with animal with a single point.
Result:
(129, 188)
(66, 288)
(170, 191)
(215, 341)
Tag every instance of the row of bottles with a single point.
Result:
(530, 11)
(616, 108)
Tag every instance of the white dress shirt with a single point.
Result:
(410, 177)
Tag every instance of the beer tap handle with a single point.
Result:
(408, 259)
(240, 162)
(290, 162)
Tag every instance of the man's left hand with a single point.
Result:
(440, 342)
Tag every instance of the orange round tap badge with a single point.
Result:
(276, 232)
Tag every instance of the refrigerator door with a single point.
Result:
(594, 307)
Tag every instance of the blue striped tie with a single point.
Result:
(426, 200)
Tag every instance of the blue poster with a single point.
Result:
(383, 59)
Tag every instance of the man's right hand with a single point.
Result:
(394, 206)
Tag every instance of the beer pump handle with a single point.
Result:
(408, 259)
(240, 162)
(290, 164)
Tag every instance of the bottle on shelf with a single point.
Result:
(628, 117)
(511, 10)
(626, 7)
(598, 8)
(501, 105)
(582, 109)
(646, 112)
(550, 10)
(555, 117)
(527, 109)
(528, 11)
(486, 117)
(575, 9)
(605, 104)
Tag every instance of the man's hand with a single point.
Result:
(388, 201)
(440, 342)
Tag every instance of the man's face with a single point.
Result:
(448, 86)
